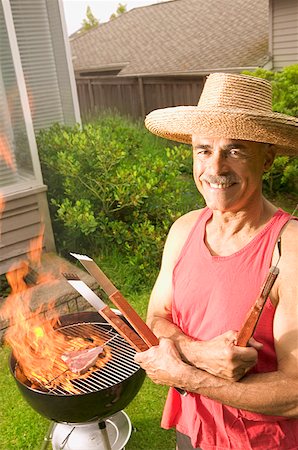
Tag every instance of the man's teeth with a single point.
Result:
(219, 186)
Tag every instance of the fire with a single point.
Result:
(36, 343)
(2, 206)
(5, 153)
(38, 331)
(35, 248)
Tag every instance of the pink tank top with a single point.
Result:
(212, 295)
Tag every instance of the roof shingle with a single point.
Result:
(178, 37)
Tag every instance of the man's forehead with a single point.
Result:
(222, 142)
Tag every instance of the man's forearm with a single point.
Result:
(218, 356)
(164, 328)
(271, 393)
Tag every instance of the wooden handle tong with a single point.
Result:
(142, 338)
(253, 315)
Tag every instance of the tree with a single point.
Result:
(283, 175)
(90, 22)
(120, 10)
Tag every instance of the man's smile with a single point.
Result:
(220, 186)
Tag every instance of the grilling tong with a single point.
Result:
(142, 338)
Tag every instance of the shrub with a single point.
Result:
(113, 186)
(284, 173)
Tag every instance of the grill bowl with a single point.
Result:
(80, 408)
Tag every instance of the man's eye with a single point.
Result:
(202, 152)
(235, 153)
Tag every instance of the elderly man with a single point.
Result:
(214, 263)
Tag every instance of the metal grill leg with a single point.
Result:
(48, 437)
(105, 438)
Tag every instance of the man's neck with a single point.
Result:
(228, 232)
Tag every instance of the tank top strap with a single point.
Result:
(197, 231)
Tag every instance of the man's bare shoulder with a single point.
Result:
(181, 229)
(186, 222)
(286, 282)
(177, 236)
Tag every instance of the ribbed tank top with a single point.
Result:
(212, 295)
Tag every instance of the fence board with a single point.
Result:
(135, 96)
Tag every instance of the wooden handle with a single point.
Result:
(138, 324)
(123, 329)
(255, 311)
(134, 319)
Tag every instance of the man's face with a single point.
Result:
(228, 173)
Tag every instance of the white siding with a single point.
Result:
(284, 33)
(21, 222)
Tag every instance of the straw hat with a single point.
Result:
(231, 106)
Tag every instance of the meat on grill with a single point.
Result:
(80, 361)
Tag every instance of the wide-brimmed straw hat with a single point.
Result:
(231, 106)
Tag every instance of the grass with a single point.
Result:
(21, 428)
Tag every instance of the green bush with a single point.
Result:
(114, 186)
(284, 173)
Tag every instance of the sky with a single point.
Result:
(75, 10)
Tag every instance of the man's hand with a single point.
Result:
(222, 358)
(163, 363)
(219, 356)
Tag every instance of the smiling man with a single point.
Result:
(214, 263)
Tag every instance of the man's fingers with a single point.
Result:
(246, 354)
(255, 344)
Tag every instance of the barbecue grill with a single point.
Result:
(96, 397)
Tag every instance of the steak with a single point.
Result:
(80, 361)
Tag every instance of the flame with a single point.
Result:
(30, 101)
(36, 343)
(30, 335)
(5, 152)
(2, 206)
(38, 331)
(35, 248)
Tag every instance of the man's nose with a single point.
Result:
(217, 163)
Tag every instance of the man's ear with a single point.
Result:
(270, 153)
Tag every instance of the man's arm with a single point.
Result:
(273, 393)
(218, 356)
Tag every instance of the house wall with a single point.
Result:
(21, 221)
(37, 82)
(284, 33)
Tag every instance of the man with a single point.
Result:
(214, 263)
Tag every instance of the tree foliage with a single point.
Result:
(120, 10)
(90, 22)
(114, 187)
(283, 176)
(284, 88)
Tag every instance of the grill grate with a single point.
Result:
(120, 367)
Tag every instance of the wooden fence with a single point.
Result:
(135, 96)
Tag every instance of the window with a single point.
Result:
(15, 155)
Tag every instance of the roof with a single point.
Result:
(178, 37)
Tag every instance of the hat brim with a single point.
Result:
(181, 122)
